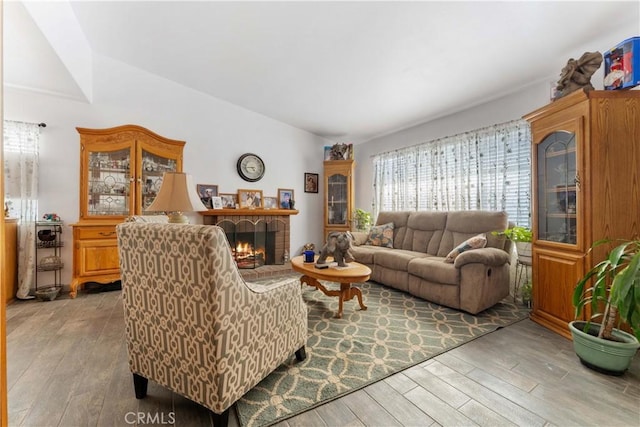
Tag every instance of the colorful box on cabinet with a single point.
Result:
(622, 65)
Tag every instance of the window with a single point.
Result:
(486, 169)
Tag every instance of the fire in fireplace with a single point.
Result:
(256, 243)
(247, 256)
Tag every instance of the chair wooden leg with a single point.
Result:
(301, 354)
(221, 420)
(140, 385)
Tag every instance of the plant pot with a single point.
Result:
(607, 357)
(524, 250)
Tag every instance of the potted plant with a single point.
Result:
(363, 220)
(611, 289)
(521, 236)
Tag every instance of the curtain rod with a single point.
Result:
(482, 129)
(40, 125)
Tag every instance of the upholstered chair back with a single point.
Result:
(192, 323)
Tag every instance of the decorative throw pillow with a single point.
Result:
(381, 235)
(475, 242)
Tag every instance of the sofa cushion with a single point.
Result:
(433, 269)
(364, 254)
(381, 235)
(475, 242)
(399, 220)
(462, 225)
(424, 231)
(396, 259)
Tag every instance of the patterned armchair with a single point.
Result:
(193, 324)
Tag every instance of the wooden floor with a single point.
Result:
(67, 367)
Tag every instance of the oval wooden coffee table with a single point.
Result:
(353, 273)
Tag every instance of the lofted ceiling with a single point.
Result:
(348, 71)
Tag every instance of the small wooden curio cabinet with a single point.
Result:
(121, 172)
(586, 187)
(338, 195)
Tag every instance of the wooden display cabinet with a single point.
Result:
(338, 195)
(586, 187)
(121, 172)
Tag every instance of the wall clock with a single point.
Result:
(250, 167)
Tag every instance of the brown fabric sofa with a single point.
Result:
(475, 281)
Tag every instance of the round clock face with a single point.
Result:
(250, 167)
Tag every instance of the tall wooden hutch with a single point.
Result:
(338, 195)
(586, 187)
(121, 171)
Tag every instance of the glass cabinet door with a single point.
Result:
(338, 200)
(558, 185)
(108, 183)
(153, 168)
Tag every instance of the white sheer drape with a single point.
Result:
(488, 169)
(21, 193)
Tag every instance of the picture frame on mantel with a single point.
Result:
(285, 195)
(216, 202)
(270, 202)
(250, 199)
(229, 200)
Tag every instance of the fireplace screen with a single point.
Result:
(256, 243)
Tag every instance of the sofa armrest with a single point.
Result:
(359, 237)
(487, 256)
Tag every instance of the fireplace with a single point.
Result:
(240, 226)
(256, 243)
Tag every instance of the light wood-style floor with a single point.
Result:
(67, 367)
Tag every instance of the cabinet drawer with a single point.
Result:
(97, 257)
(105, 232)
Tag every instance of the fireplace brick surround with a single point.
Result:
(239, 216)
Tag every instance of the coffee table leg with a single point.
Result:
(346, 292)
(349, 292)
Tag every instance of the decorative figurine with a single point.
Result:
(577, 74)
(339, 246)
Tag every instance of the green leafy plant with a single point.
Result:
(527, 289)
(612, 289)
(516, 234)
(363, 219)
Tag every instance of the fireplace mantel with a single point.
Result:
(249, 212)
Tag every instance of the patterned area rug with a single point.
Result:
(396, 332)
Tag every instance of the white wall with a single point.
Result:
(216, 132)
(509, 107)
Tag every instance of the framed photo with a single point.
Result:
(285, 196)
(271, 203)
(206, 201)
(216, 202)
(310, 182)
(229, 200)
(250, 199)
(207, 191)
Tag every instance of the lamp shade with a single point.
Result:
(177, 194)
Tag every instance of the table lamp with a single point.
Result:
(177, 195)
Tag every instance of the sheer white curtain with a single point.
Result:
(487, 169)
(21, 194)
